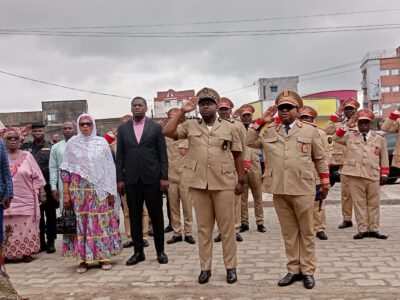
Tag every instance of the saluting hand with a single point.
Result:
(189, 105)
(352, 122)
(269, 113)
(340, 111)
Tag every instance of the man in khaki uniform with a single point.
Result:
(215, 173)
(367, 167)
(392, 125)
(177, 191)
(254, 177)
(348, 108)
(309, 115)
(224, 111)
(293, 150)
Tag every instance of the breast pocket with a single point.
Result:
(304, 145)
(270, 144)
(188, 170)
(225, 141)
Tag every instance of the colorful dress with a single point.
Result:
(97, 237)
(24, 212)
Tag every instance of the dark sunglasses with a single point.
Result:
(83, 124)
(286, 106)
(12, 138)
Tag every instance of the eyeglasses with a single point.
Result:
(87, 124)
(286, 107)
(12, 138)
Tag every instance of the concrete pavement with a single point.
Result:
(346, 268)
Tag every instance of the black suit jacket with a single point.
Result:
(146, 161)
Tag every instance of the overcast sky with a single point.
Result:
(142, 65)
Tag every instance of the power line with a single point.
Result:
(63, 86)
(331, 74)
(330, 69)
(224, 21)
(239, 89)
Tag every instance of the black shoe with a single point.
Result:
(151, 232)
(204, 276)
(128, 244)
(289, 279)
(243, 227)
(145, 243)
(217, 239)
(261, 228)
(189, 239)
(321, 235)
(231, 276)
(345, 224)
(50, 247)
(135, 259)
(360, 235)
(308, 281)
(162, 258)
(377, 235)
(168, 228)
(174, 239)
(238, 237)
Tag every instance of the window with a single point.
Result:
(386, 105)
(384, 72)
(385, 89)
(179, 103)
(51, 117)
(167, 103)
(274, 88)
(395, 71)
(395, 88)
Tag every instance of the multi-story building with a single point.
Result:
(270, 88)
(381, 80)
(170, 99)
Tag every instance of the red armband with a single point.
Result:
(394, 116)
(340, 132)
(324, 178)
(277, 120)
(247, 164)
(385, 171)
(258, 124)
(334, 118)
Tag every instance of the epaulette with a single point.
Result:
(199, 120)
(312, 124)
(228, 120)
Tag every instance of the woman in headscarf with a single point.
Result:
(24, 212)
(89, 182)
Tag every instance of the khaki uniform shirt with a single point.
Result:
(175, 158)
(291, 159)
(364, 159)
(209, 163)
(393, 127)
(338, 151)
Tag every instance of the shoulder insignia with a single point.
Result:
(228, 120)
(309, 123)
(199, 120)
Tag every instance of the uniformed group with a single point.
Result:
(214, 160)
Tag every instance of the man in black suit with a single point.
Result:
(142, 172)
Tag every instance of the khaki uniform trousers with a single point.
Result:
(178, 193)
(211, 206)
(366, 197)
(255, 185)
(347, 202)
(237, 212)
(319, 217)
(127, 223)
(295, 214)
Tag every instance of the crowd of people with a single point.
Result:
(209, 163)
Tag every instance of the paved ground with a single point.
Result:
(347, 269)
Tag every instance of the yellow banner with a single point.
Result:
(324, 106)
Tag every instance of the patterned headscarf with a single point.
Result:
(6, 131)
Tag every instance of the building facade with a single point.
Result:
(381, 81)
(270, 88)
(166, 100)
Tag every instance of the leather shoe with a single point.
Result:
(289, 279)
(321, 235)
(261, 228)
(360, 235)
(243, 227)
(238, 237)
(135, 259)
(174, 239)
(308, 281)
(145, 243)
(128, 244)
(204, 276)
(151, 232)
(345, 224)
(162, 258)
(217, 239)
(377, 235)
(189, 239)
(231, 276)
(50, 247)
(168, 228)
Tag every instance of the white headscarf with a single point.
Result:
(90, 157)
